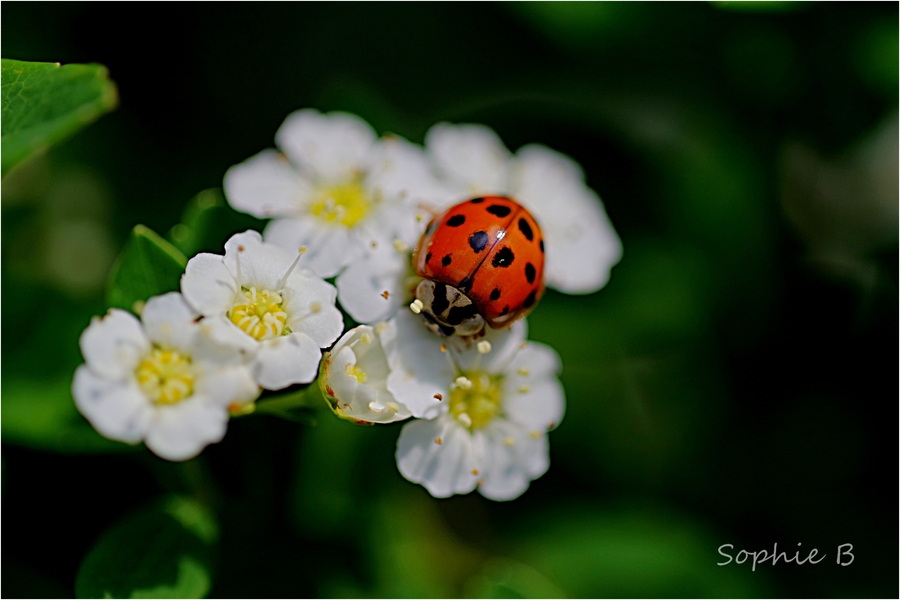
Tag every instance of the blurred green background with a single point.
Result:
(736, 381)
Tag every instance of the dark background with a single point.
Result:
(735, 382)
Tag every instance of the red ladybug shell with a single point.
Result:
(492, 250)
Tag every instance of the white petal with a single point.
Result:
(286, 360)
(444, 468)
(402, 171)
(169, 322)
(114, 345)
(258, 264)
(581, 244)
(512, 458)
(362, 285)
(309, 303)
(536, 404)
(180, 431)
(505, 344)
(333, 146)
(207, 285)
(536, 360)
(223, 332)
(328, 247)
(471, 157)
(117, 409)
(225, 385)
(267, 185)
(420, 372)
(390, 221)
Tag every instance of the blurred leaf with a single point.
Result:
(208, 222)
(759, 5)
(163, 551)
(300, 406)
(504, 578)
(633, 553)
(43, 103)
(148, 266)
(876, 56)
(325, 491)
(584, 25)
(43, 415)
(409, 536)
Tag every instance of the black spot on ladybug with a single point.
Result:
(499, 210)
(530, 273)
(525, 228)
(542, 245)
(478, 240)
(447, 259)
(530, 299)
(428, 257)
(458, 314)
(456, 220)
(465, 285)
(495, 295)
(440, 303)
(504, 257)
(477, 200)
(504, 311)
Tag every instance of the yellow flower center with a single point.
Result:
(346, 204)
(259, 314)
(166, 376)
(475, 399)
(355, 372)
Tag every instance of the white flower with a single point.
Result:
(253, 298)
(337, 189)
(470, 160)
(372, 288)
(354, 379)
(581, 244)
(489, 406)
(160, 379)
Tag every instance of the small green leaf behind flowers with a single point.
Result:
(147, 266)
(44, 103)
(163, 551)
(208, 222)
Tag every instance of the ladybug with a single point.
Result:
(482, 261)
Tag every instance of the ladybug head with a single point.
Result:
(446, 310)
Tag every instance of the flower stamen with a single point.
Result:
(259, 314)
(346, 204)
(475, 399)
(166, 376)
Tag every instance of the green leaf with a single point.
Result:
(163, 551)
(208, 222)
(44, 103)
(42, 415)
(148, 266)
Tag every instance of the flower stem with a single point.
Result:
(286, 405)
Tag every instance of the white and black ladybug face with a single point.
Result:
(447, 311)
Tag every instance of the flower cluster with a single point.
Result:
(349, 206)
